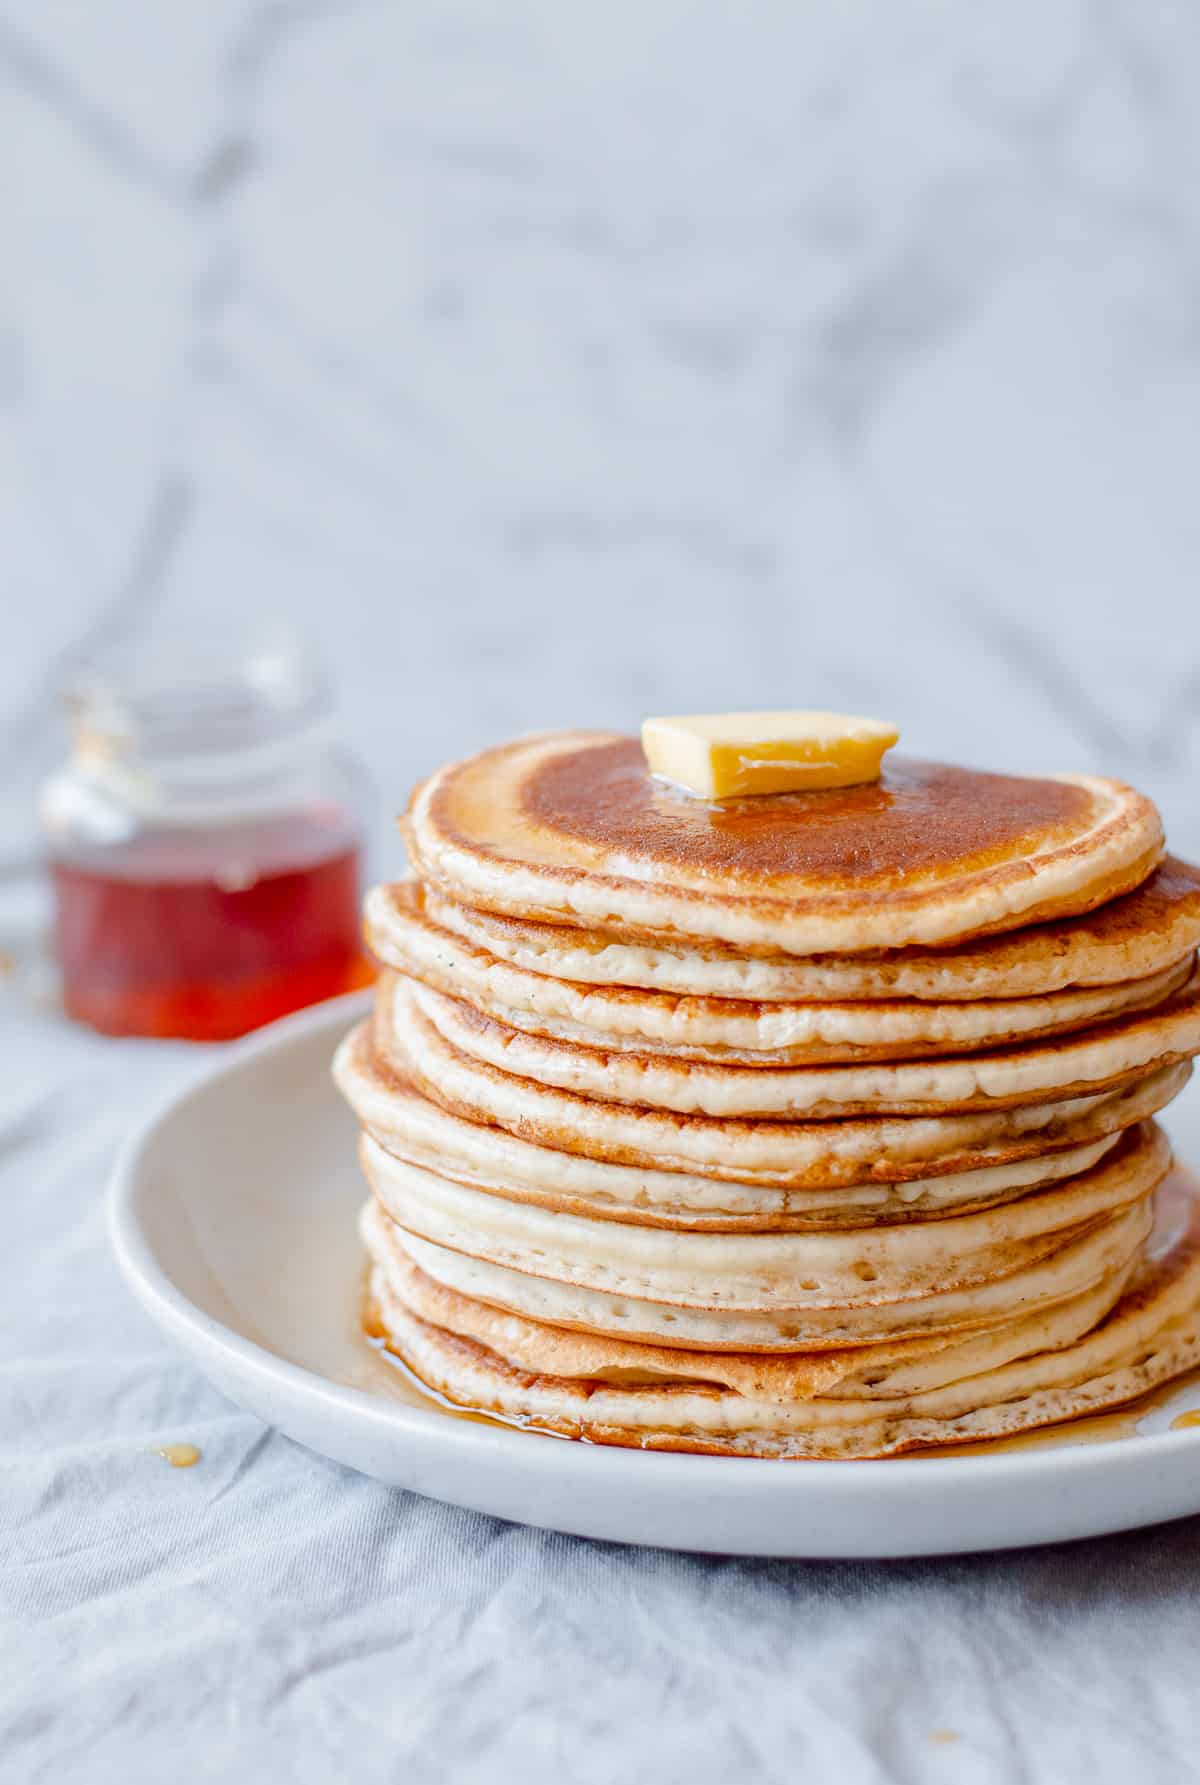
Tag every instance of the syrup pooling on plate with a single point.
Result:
(408, 1387)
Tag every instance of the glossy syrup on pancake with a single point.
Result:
(917, 819)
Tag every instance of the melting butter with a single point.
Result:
(720, 756)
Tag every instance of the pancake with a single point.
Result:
(726, 1031)
(396, 1114)
(864, 1267)
(1045, 1275)
(807, 1124)
(786, 1154)
(1102, 1057)
(871, 1372)
(1129, 939)
(572, 827)
(496, 1365)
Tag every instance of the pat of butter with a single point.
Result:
(720, 756)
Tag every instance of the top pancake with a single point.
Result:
(572, 828)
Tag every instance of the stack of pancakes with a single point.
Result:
(806, 1125)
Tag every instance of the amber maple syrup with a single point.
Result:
(390, 1369)
(203, 960)
(203, 840)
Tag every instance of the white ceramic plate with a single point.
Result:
(232, 1214)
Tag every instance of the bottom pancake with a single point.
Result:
(1097, 1348)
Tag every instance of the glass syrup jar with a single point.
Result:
(204, 842)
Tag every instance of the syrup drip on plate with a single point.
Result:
(419, 1394)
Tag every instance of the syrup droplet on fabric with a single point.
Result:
(180, 1456)
(1183, 1421)
(944, 1738)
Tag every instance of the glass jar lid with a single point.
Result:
(188, 730)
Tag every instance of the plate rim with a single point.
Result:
(755, 1478)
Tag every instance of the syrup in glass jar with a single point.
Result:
(204, 843)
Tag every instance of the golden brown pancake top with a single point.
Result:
(918, 819)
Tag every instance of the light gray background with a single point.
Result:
(552, 363)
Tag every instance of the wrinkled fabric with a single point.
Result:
(266, 1615)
